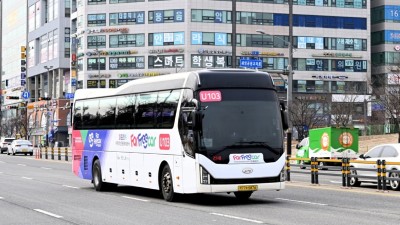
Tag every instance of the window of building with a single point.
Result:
(131, 62)
(126, 18)
(124, 1)
(98, 41)
(163, 39)
(96, 2)
(96, 20)
(167, 16)
(96, 63)
(126, 40)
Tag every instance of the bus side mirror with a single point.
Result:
(194, 122)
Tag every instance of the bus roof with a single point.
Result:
(209, 78)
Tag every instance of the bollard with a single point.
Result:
(316, 170)
(312, 170)
(378, 163)
(46, 156)
(52, 153)
(59, 153)
(288, 168)
(347, 168)
(344, 172)
(384, 188)
(66, 154)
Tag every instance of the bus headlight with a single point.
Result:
(283, 175)
(204, 176)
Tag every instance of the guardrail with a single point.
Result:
(43, 153)
(346, 170)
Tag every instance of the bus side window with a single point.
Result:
(77, 119)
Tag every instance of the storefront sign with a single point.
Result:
(169, 50)
(120, 52)
(337, 55)
(214, 52)
(255, 53)
(101, 76)
(136, 75)
(108, 30)
(330, 77)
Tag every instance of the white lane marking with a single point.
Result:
(335, 182)
(45, 168)
(27, 178)
(70, 186)
(238, 218)
(2, 162)
(1, 197)
(21, 164)
(304, 202)
(48, 213)
(137, 199)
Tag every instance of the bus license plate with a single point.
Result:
(248, 188)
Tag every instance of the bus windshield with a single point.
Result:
(241, 121)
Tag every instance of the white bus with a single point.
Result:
(195, 132)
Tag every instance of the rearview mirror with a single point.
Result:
(362, 156)
(298, 146)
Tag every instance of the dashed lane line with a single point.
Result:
(27, 178)
(48, 213)
(303, 202)
(137, 199)
(67, 186)
(237, 218)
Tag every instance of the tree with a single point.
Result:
(387, 93)
(344, 109)
(307, 112)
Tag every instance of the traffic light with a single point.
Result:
(12, 97)
(44, 98)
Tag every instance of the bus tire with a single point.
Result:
(166, 184)
(243, 196)
(98, 183)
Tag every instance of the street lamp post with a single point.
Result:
(98, 66)
(48, 68)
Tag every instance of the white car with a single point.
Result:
(387, 152)
(4, 142)
(20, 147)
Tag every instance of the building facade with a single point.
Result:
(121, 40)
(13, 39)
(48, 69)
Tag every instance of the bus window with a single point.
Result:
(147, 108)
(125, 112)
(90, 117)
(167, 104)
(107, 113)
(77, 119)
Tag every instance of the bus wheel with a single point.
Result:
(167, 187)
(243, 196)
(98, 183)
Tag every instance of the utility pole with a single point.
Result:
(233, 33)
(290, 80)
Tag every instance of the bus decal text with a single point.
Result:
(164, 141)
(143, 140)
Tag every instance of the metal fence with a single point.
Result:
(345, 171)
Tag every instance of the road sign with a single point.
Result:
(26, 94)
(69, 95)
(251, 63)
(23, 82)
